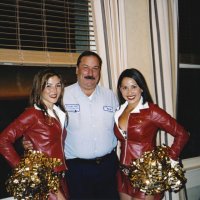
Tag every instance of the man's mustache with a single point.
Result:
(90, 77)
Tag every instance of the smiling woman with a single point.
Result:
(15, 86)
(39, 124)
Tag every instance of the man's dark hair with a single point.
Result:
(89, 53)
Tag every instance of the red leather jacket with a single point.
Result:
(46, 135)
(142, 131)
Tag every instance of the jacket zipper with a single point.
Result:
(126, 142)
(61, 138)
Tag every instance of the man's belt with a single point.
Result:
(97, 160)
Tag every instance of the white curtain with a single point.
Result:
(164, 23)
(163, 28)
(164, 41)
(110, 33)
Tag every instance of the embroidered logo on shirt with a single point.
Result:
(72, 107)
(108, 108)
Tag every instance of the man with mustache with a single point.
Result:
(90, 142)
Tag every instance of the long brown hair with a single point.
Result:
(39, 83)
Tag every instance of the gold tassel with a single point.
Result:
(34, 177)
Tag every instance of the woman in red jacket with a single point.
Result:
(42, 123)
(137, 123)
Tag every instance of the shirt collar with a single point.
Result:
(80, 92)
(137, 109)
(61, 115)
(140, 106)
(48, 110)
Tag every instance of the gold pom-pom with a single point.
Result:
(34, 177)
(154, 172)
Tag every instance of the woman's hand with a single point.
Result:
(56, 196)
(60, 196)
(173, 162)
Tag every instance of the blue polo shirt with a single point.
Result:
(91, 121)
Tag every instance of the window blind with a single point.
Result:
(45, 32)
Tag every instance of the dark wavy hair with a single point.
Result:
(140, 80)
(89, 53)
(39, 83)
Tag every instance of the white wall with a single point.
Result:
(138, 39)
